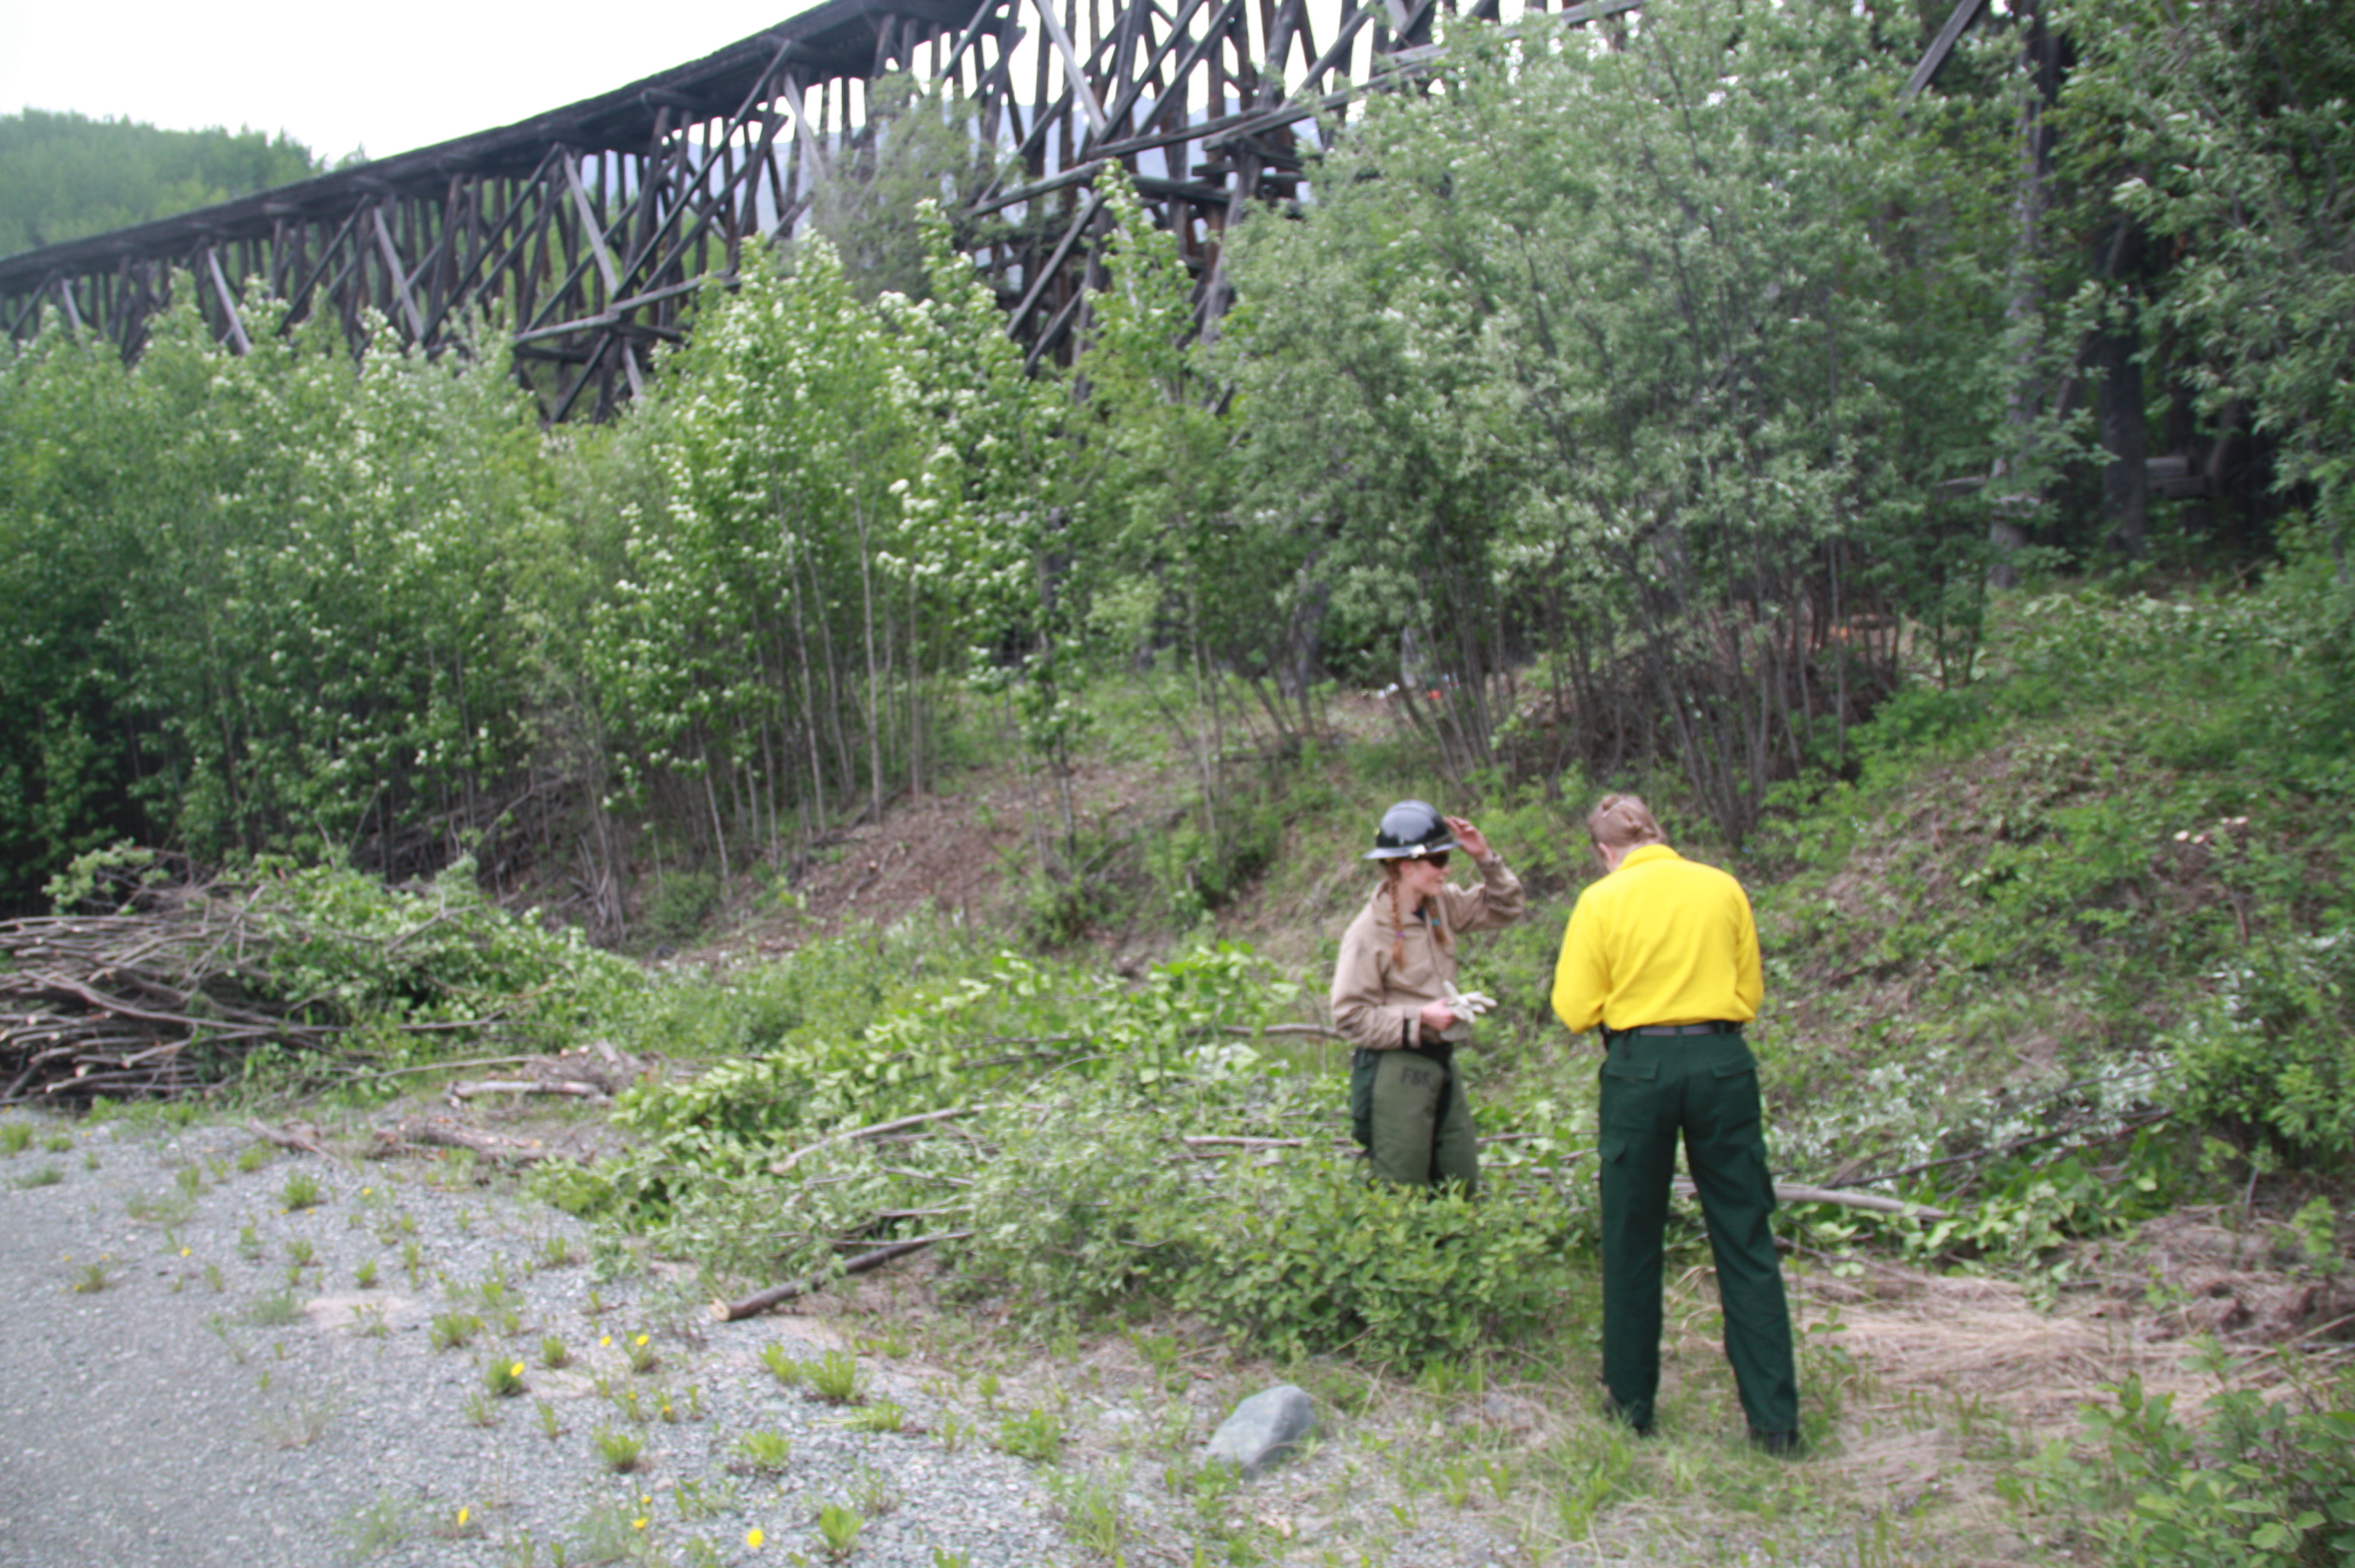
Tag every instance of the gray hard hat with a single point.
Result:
(1409, 829)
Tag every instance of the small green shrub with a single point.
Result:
(2272, 1059)
(503, 1377)
(2258, 1483)
(681, 902)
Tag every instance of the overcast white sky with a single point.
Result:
(340, 75)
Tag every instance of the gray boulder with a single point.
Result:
(1265, 1428)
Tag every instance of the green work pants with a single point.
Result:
(1422, 1122)
(1706, 1088)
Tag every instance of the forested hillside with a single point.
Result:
(64, 175)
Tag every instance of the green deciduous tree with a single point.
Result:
(2230, 134)
(1647, 361)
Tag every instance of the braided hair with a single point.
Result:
(1390, 870)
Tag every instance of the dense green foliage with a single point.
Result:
(275, 600)
(2227, 132)
(1102, 1151)
(63, 177)
(1649, 362)
(1611, 400)
(2253, 1480)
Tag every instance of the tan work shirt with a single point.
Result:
(1376, 1002)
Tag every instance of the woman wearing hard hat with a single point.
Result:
(1394, 995)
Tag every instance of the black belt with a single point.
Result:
(1718, 1025)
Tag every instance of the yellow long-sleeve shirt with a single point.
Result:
(1661, 940)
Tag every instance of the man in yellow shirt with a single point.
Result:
(1662, 954)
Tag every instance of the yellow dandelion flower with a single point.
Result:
(516, 1370)
(642, 1339)
(753, 1538)
(184, 1252)
(606, 1340)
(462, 1519)
(639, 1522)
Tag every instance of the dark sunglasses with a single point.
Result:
(1437, 858)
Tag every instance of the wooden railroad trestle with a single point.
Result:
(586, 229)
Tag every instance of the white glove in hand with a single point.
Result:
(1469, 1004)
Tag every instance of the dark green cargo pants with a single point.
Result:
(1704, 1087)
(1421, 1121)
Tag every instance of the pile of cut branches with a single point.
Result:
(149, 1003)
(182, 977)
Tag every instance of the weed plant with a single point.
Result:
(838, 1528)
(837, 1379)
(275, 1310)
(454, 1330)
(618, 1451)
(788, 1371)
(1035, 1435)
(381, 1525)
(765, 1452)
(881, 1416)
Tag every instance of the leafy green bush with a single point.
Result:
(2260, 1483)
(1054, 1109)
(2272, 1059)
(2025, 1208)
(1323, 1260)
(681, 902)
(1085, 1210)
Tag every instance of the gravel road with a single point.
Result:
(254, 1382)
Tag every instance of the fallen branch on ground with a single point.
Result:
(761, 1301)
(527, 1087)
(438, 1132)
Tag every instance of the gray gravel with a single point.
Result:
(198, 1409)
